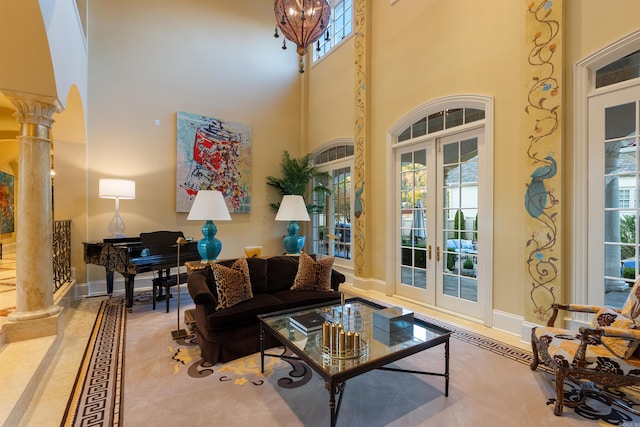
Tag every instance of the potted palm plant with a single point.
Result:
(298, 177)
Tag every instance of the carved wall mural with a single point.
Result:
(360, 114)
(542, 197)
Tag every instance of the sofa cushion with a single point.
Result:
(257, 272)
(281, 271)
(232, 283)
(631, 308)
(313, 275)
(562, 345)
(301, 298)
(609, 317)
(243, 313)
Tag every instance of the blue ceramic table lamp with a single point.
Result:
(293, 209)
(209, 205)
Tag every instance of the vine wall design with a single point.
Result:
(544, 148)
(360, 132)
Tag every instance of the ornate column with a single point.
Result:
(34, 256)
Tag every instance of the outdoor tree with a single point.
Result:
(628, 235)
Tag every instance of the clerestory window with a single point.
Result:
(340, 26)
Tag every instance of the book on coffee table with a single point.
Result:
(307, 322)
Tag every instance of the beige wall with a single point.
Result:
(150, 59)
(421, 51)
(217, 58)
(330, 96)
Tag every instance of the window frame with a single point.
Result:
(331, 27)
(584, 88)
(333, 163)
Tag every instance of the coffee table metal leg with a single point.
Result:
(446, 368)
(334, 409)
(261, 348)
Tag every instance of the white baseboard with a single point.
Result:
(99, 287)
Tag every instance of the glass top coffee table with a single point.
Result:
(378, 347)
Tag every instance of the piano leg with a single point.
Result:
(128, 288)
(109, 282)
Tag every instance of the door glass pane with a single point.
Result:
(454, 117)
(621, 212)
(341, 194)
(413, 193)
(620, 121)
(623, 69)
(436, 122)
(320, 224)
(460, 193)
(420, 128)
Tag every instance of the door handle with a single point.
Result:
(429, 252)
(438, 253)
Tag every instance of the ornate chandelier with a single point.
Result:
(302, 22)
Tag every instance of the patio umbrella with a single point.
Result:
(419, 225)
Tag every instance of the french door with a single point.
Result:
(614, 184)
(437, 199)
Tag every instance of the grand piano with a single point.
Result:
(154, 251)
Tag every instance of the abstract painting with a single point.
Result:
(6, 203)
(213, 154)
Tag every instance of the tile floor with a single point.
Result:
(37, 375)
(7, 280)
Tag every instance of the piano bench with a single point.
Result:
(160, 283)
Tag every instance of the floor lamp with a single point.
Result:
(179, 333)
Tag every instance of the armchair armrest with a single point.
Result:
(613, 332)
(575, 308)
(336, 279)
(587, 336)
(199, 289)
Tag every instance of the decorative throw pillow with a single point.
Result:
(631, 308)
(313, 275)
(232, 283)
(618, 346)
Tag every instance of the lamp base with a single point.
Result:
(293, 244)
(116, 226)
(209, 248)
(180, 333)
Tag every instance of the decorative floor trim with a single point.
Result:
(506, 350)
(96, 399)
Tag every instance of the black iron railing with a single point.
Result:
(61, 253)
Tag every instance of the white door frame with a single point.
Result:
(485, 197)
(584, 85)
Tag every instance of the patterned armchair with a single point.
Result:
(604, 353)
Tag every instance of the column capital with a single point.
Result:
(34, 109)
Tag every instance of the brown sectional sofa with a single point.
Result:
(234, 332)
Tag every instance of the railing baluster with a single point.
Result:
(61, 253)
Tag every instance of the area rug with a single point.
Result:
(96, 396)
(167, 383)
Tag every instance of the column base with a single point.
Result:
(34, 327)
(17, 316)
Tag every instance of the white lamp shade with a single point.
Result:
(292, 208)
(117, 189)
(209, 205)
